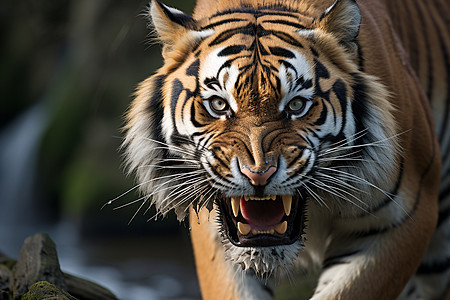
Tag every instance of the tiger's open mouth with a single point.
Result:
(273, 220)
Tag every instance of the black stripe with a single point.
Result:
(323, 115)
(192, 70)
(278, 51)
(194, 121)
(231, 50)
(216, 157)
(361, 112)
(429, 84)
(288, 65)
(321, 70)
(181, 141)
(286, 38)
(307, 84)
(340, 90)
(218, 23)
(211, 82)
(177, 89)
(261, 49)
(284, 22)
(299, 81)
(434, 267)
(394, 192)
(259, 12)
(314, 52)
(248, 29)
(204, 140)
(445, 192)
(361, 59)
(444, 214)
(294, 161)
(218, 175)
(338, 259)
(155, 106)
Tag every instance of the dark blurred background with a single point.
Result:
(68, 69)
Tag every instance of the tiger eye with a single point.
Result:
(218, 104)
(296, 104)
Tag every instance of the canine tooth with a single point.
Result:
(244, 229)
(246, 198)
(235, 201)
(273, 197)
(287, 203)
(281, 228)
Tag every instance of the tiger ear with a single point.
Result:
(342, 19)
(170, 24)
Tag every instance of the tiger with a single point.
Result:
(300, 134)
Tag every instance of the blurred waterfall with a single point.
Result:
(19, 146)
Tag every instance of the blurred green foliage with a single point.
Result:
(83, 60)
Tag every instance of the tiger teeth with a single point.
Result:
(244, 229)
(281, 228)
(268, 197)
(255, 232)
(235, 201)
(287, 203)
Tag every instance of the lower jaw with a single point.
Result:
(275, 261)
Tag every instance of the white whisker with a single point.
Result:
(168, 167)
(357, 179)
(130, 203)
(315, 196)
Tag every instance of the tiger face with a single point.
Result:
(260, 114)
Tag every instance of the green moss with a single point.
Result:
(44, 290)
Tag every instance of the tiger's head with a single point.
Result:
(260, 112)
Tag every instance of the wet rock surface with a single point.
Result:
(37, 275)
(38, 261)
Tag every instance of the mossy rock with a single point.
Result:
(44, 290)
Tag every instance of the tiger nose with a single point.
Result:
(258, 177)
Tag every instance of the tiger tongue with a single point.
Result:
(262, 214)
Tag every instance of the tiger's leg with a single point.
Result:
(377, 263)
(218, 277)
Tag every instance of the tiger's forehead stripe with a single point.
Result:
(280, 12)
(230, 19)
